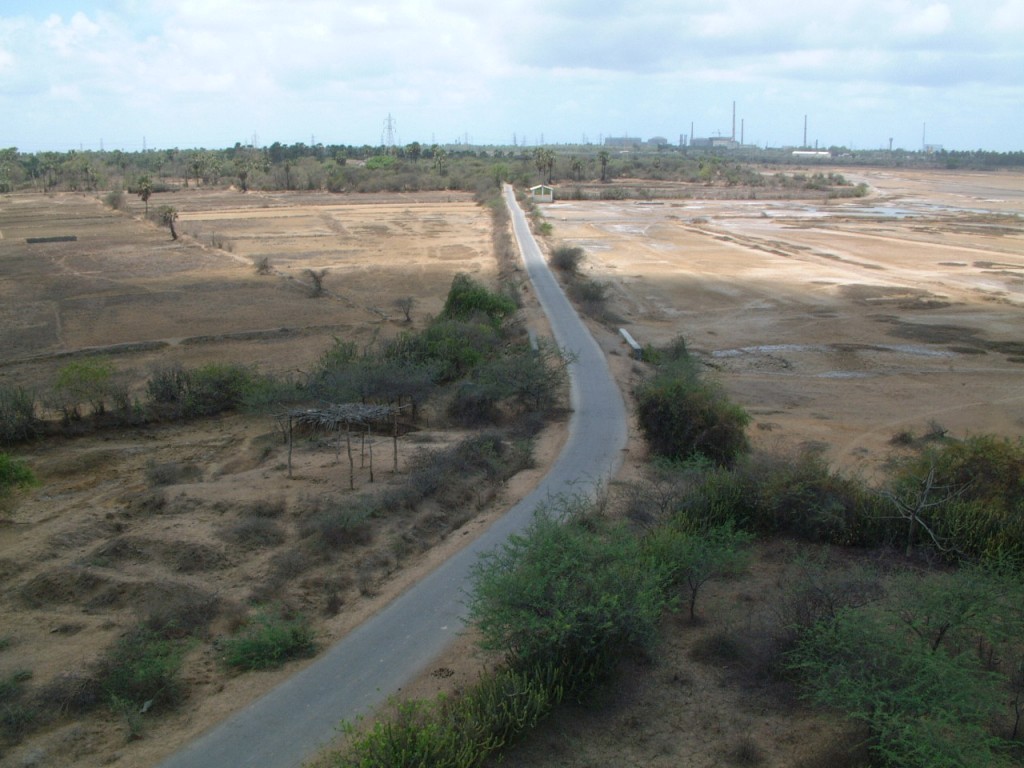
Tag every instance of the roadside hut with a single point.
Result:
(542, 193)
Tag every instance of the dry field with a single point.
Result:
(835, 326)
(131, 520)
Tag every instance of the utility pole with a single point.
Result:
(388, 134)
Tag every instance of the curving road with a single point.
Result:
(297, 718)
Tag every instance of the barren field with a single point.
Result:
(835, 325)
(129, 521)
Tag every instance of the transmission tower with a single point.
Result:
(387, 136)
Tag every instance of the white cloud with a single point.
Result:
(221, 68)
(932, 20)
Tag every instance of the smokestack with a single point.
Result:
(734, 121)
(805, 130)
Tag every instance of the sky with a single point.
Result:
(160, 74)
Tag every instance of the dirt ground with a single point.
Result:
(835, 325)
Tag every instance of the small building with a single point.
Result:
(542, 193)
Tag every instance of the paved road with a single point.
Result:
(294, 720)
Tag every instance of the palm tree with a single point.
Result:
(576, 164)
(145, 190)
(545, 160)
(603, 158)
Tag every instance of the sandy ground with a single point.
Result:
(834, 325)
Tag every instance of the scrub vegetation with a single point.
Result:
(921, 646)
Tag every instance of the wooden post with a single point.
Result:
(371, 459)
(362, 450)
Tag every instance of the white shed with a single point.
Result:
(542, 193)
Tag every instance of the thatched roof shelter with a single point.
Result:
(338, 417)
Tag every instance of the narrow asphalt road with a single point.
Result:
(294, 720)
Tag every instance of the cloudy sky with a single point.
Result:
(209, 73)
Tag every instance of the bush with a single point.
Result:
(969, 494)
(18, 419)
(918, 669)
(681, 417)
(336, 529)
(270, 639)
(804, 496)
(84, 382)
(468, 299)
(452, 347)
(204, 391)
(694, 556)
(14, 473)
(253, 533)
(576, 596)
(567, 258)
(142, 668)
(460, 731)
(115, 199)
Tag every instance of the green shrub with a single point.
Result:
(453, 347)
(925, 670)
(143, 667)
(576, 595)
(204, 391)
(459, 731)
(14, 473)
(468, 298)
(18, 419)
(693, 556)
(270, 639)
(474, 404)
(84, 382)
(969, 494)
(216, 387)
(266, 393)
(802, 495)
(684, 416)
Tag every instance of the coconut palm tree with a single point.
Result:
(145, 191)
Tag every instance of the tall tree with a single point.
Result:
(576, 165)
(145, 191)
(603, 158)
(544, 158)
